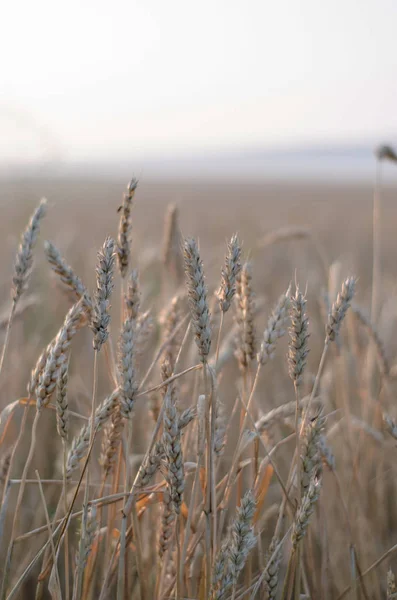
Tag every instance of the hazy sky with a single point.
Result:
(88, 79)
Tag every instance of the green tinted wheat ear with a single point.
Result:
(299, 335)
(24, 258)
(66, 273)
(339, 308)
(123, 239)
(230, 272)
(104, 287)
(197, 294)
(57, 355)
(275, 329)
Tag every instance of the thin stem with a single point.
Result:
(65, 499)
(80, 568)
(178, 557)
(15, 448)
(139, 552)
(298, 484)
(50, 532)
(208, 502)
(7, 336)
(218, 343)
(376, 239)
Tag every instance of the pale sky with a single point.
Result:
(98, 79)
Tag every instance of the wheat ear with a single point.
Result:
(197, 294)
(123, 239)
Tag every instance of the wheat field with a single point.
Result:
(198, 386)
